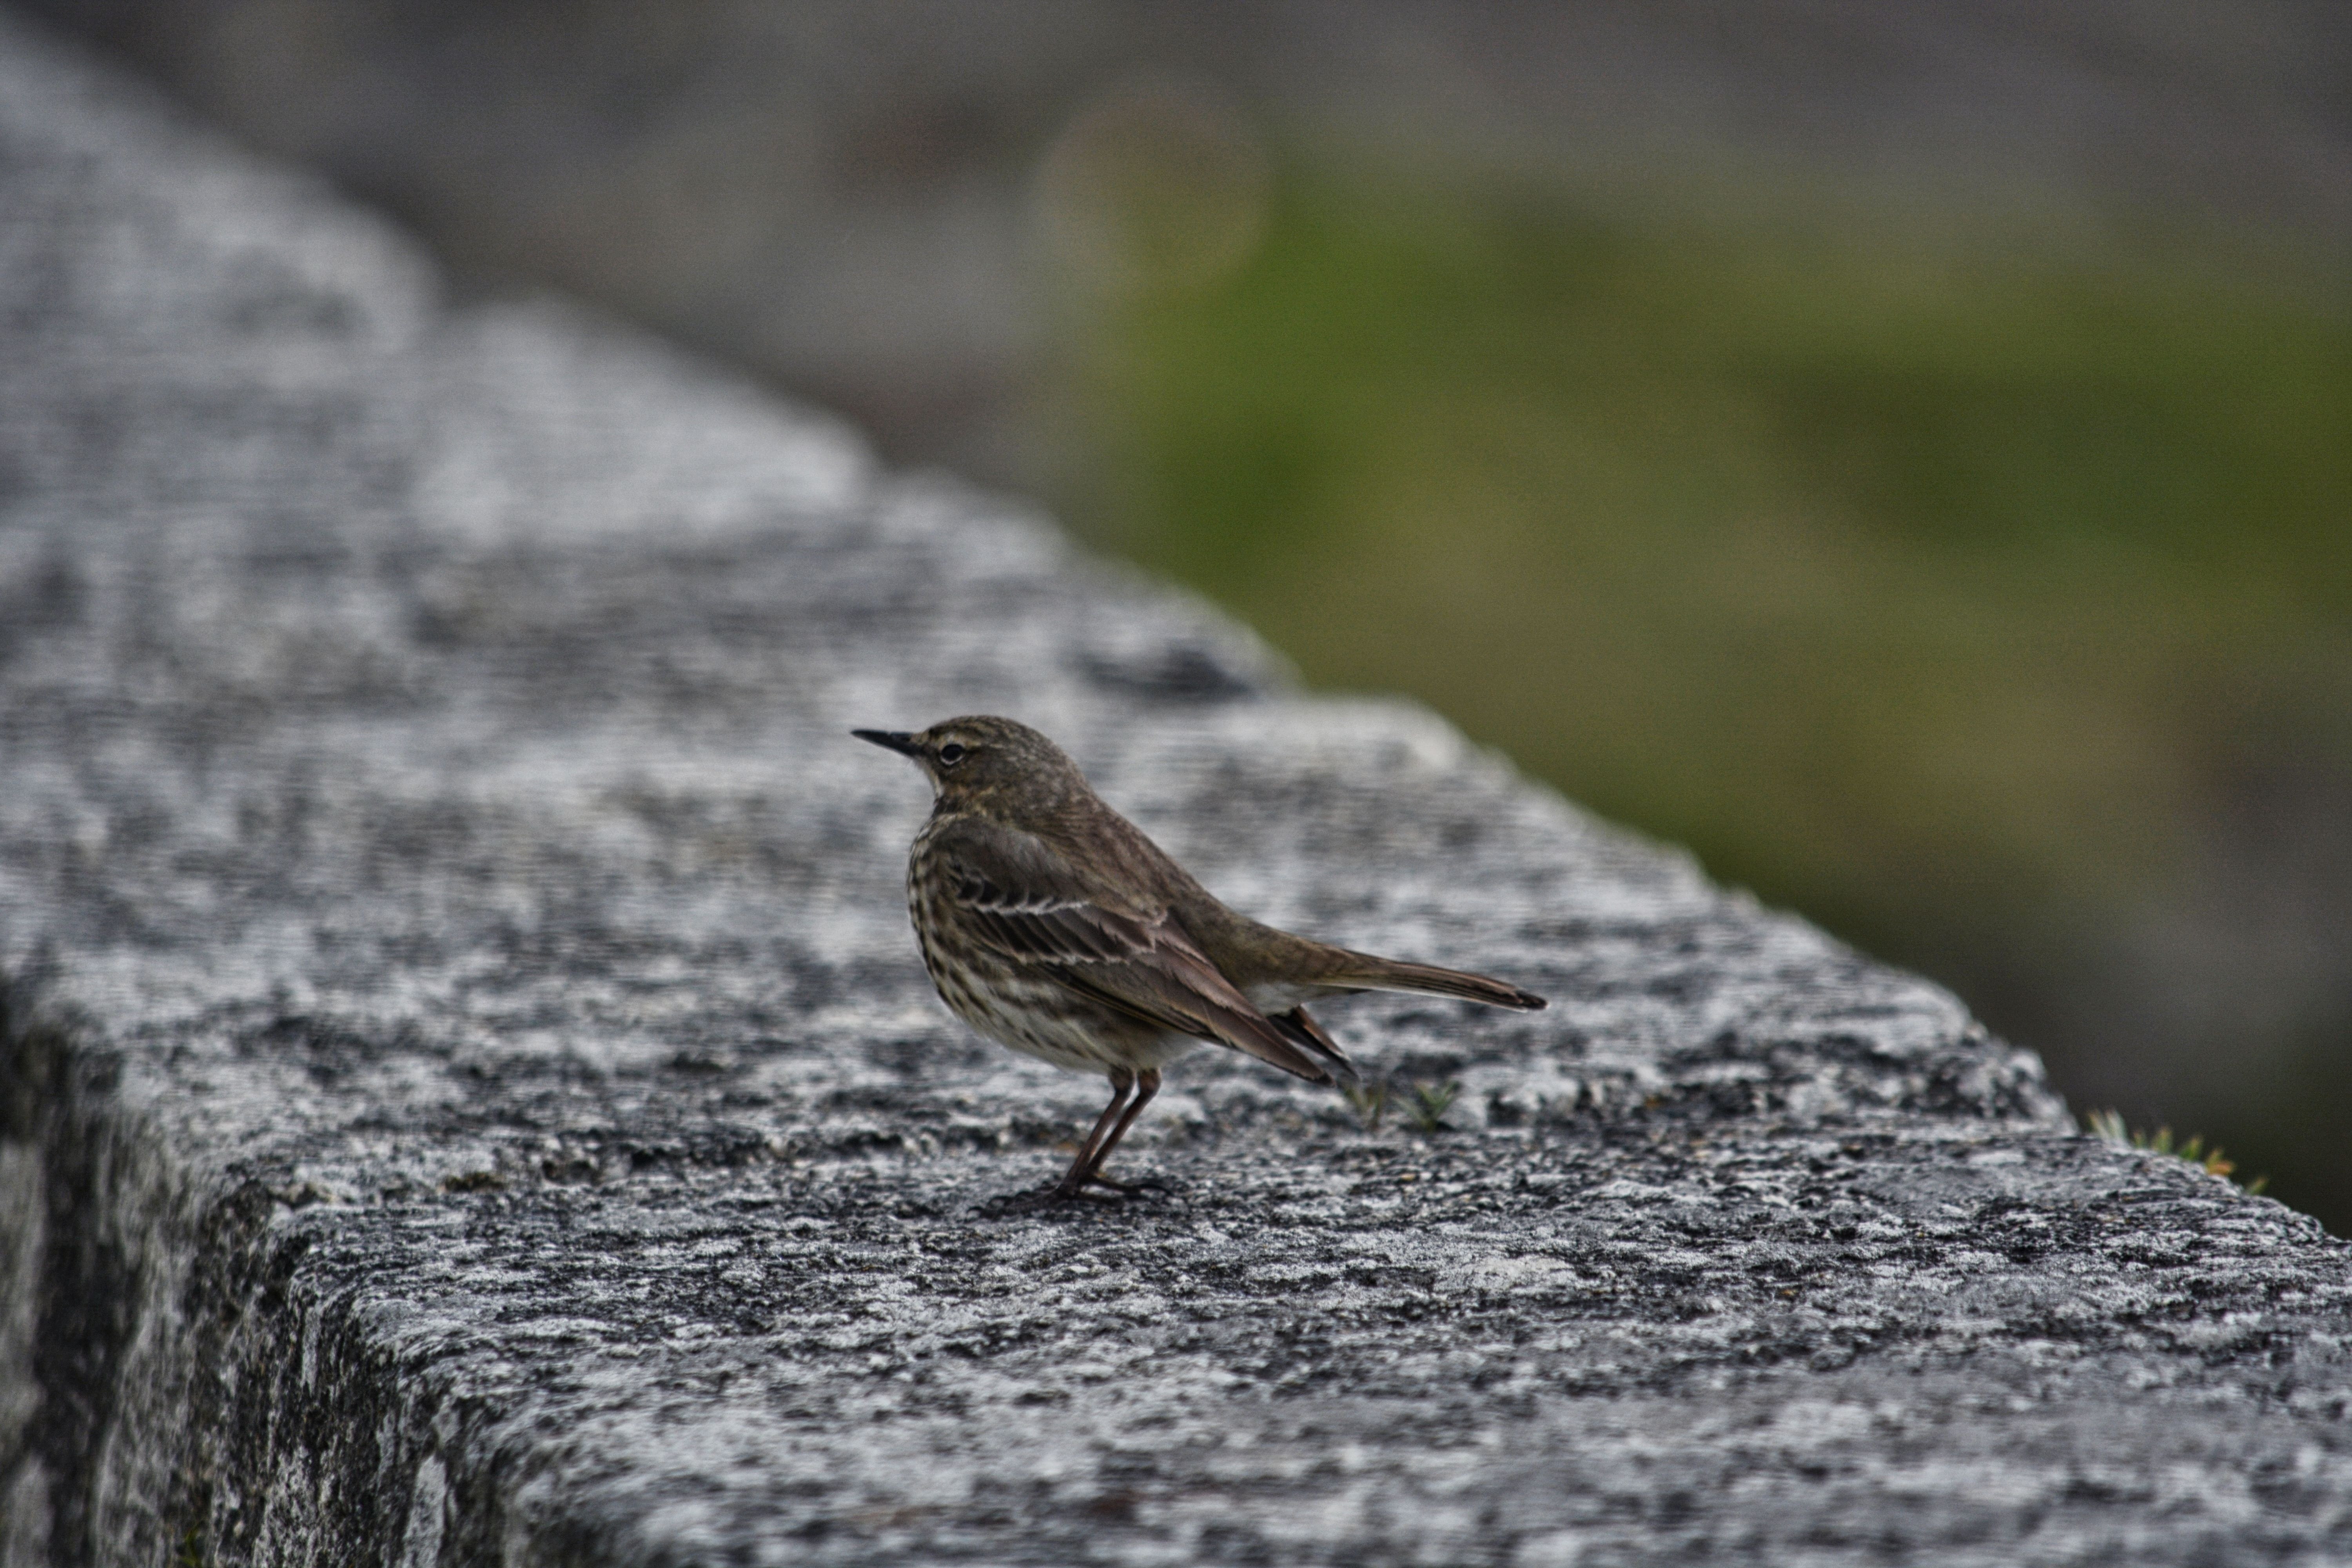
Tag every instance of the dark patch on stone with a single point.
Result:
(1187, 672)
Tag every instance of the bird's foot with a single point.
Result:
(1054, 1195)
(1126, 1189)
(1066, 1191)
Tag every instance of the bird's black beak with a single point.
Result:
(891, 740)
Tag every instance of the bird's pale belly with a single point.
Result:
(1075, 1044)
(1039, 1018)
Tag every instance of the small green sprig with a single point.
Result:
(1429, 1103)
(2109, 1127)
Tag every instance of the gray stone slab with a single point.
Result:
(470, 1093)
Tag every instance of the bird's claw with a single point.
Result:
(1068, 1192)
(1126, 1189)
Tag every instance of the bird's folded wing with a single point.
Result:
(1026, 901)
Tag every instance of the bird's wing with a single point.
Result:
(1024, 898)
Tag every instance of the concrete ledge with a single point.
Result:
(470, 1095)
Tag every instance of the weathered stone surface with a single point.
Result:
(470, 1093)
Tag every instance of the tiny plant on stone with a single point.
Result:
(1430, 1102)
(1371, 1098)
(2109, 1127)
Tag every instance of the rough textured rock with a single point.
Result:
(470, 1093)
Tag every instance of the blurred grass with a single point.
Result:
(1948, 594)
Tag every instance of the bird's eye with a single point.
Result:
(950, 754)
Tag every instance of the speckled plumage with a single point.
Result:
(996, 996)
(1051, 924)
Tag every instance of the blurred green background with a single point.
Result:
(1988, 599)
(1900, 448)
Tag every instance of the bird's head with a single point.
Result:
(995, 766)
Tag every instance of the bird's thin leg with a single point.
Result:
(1121, 1080)
(1148, 1085)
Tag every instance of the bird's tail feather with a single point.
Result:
(1299, 1027)
(1428, 980)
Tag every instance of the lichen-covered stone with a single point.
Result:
(470, 1093)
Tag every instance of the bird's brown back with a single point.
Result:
(1248, 952)
(1015, 778)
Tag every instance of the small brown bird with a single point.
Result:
(1051, 924)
